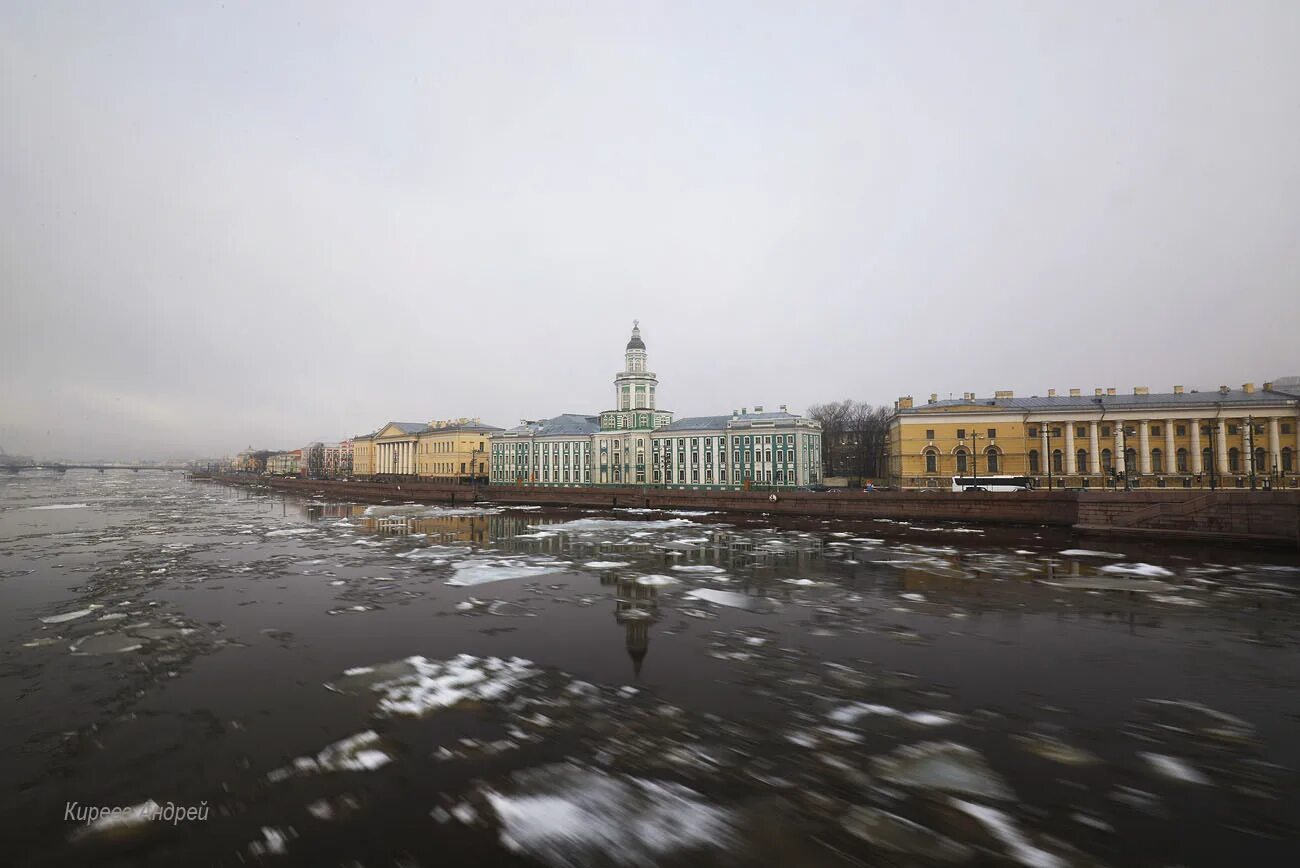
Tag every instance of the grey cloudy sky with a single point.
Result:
(269, 223)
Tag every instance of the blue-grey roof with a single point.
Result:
(407, 427)
(697, 423)
(1164, 400)
(563, 425)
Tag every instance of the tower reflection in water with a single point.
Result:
(636, 607)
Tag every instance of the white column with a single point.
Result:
(1094, 449)
(1144, 447)
(1221, 456)
(1171, 447)
(1070, 469)
(1274, 446)
(1198, 466)
(1119, 448)
(1042, 450)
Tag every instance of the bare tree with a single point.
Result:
(833, 417)
(866, 426)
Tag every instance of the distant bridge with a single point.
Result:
(62, 468)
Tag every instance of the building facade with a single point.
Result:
(637, 443)
(363, 456)
(1226, 438)
(455, 450)
(284, 463)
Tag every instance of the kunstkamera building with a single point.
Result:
(637, 443)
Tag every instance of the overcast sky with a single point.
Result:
(270, 223)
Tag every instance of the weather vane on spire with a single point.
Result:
(636, 323)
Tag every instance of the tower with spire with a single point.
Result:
(624, 458)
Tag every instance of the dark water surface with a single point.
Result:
(340, 684)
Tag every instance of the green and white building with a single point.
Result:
(636, 443)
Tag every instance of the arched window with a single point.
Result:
(1106, 461)
(1234, 460)
(1130, 461)
(1261, 461)
(1181, 457)
(1207, 459)
(1157, 461)
(931, 461)
(1058, 461)
(961, 461)
(1034, 469)
(992, 459)
(1287, 465)
(1081, 461)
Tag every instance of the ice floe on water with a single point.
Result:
(416, 686)
(945, 766)
(734, 600)
(1086, 553)
(423, 511)
(592, 525)
(1001, 825)
(1149, 571)
(897, 834)
(852, 713)
(1174, 768)
(606, 565)
(67, 616)
(566, 815)
(657, 581)
(60, 506)
(356, 753)
(481, 571)
(698, 568)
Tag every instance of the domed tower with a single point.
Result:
(634, 386)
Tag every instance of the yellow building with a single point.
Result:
(1228, 437)
(455, 450)
(363, 455)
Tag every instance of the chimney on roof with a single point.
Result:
(1110, 390)
(1051, 393)
(1096, 391)
(1141, 390)
(1223, 390)
(934, 396)
(1268, 386)
(1004, 393)
(1074, 393)
(1248, 388)
(744, 411)
(1178, 390)
(905, 402)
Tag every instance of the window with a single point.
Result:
(1286, 427)
(1107, 461)
(1058, 461)
(1287, 465)
(1232, 429)
(1056, 432)
(961, 433)
(1033, 432)
(1181, 460)
(1207, 458)
(1180, 430)
(1157, 461)
(931, 461)
(961, 461)
(1080, 431)
(1034, 469)
(929, 433)
(993, 433)
(992, 459)
(1234, 460)
(1105, 430)
(1155, 430)
(1130, 461)
(1081, 461)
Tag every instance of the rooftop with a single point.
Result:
(1281, 391)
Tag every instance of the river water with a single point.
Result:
(295, 682)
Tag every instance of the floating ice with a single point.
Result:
(68, 616)
(946, 766)
(1149, 571)
(356, 753)
(121, 821)
(657, 581)
(107, 643)
(422, 511)
(566, 815)
(1004, 828)
(915, 598)
(1174, 768)
(581, 525)
(606, 565)
(698, 568)
(896, 834)
(734, 599)
(481, 571)
(292, 531)
(60, 506)
(853, 712)
(1086, 553)
(416, 686)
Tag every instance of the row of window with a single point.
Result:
(1081, 431)
(1238, 461)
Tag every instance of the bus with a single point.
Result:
(992, 483)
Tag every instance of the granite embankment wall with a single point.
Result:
(1269, 517)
